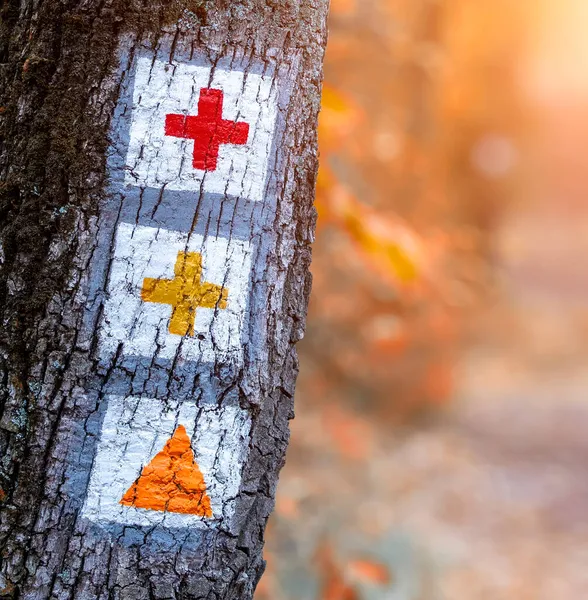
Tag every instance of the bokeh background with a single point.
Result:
(440, 447)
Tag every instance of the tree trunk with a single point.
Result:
(157, 169)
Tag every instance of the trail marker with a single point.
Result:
(169, 463)
(190, 216)
(185, 293)
(153, 269)
(172, 481)
(208, 129)
(198, 128)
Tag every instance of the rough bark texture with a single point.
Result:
(60, 78)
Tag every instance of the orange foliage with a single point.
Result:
(369, 571)
(416, 156)
(334, 584)
(385, 242)
(287, 507)
(438, 382)
(349, 434)
(423, 127)
(340, 580)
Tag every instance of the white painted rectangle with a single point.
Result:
(136, 429)
(142, 328)
(157, 160)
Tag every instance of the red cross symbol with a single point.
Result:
(208, 130)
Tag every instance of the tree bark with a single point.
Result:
(70, 104)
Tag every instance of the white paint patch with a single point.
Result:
(136, 429)
(142, 328)
(156, 160)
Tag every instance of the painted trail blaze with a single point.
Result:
(183, 238)
(172, 481)
(195, 127)
(185, 293)
(208, 129)
(150, 471)
(205, 281)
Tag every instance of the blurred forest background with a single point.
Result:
(440, 448)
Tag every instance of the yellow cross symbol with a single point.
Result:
(185, 293)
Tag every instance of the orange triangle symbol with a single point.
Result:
(172, 481)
